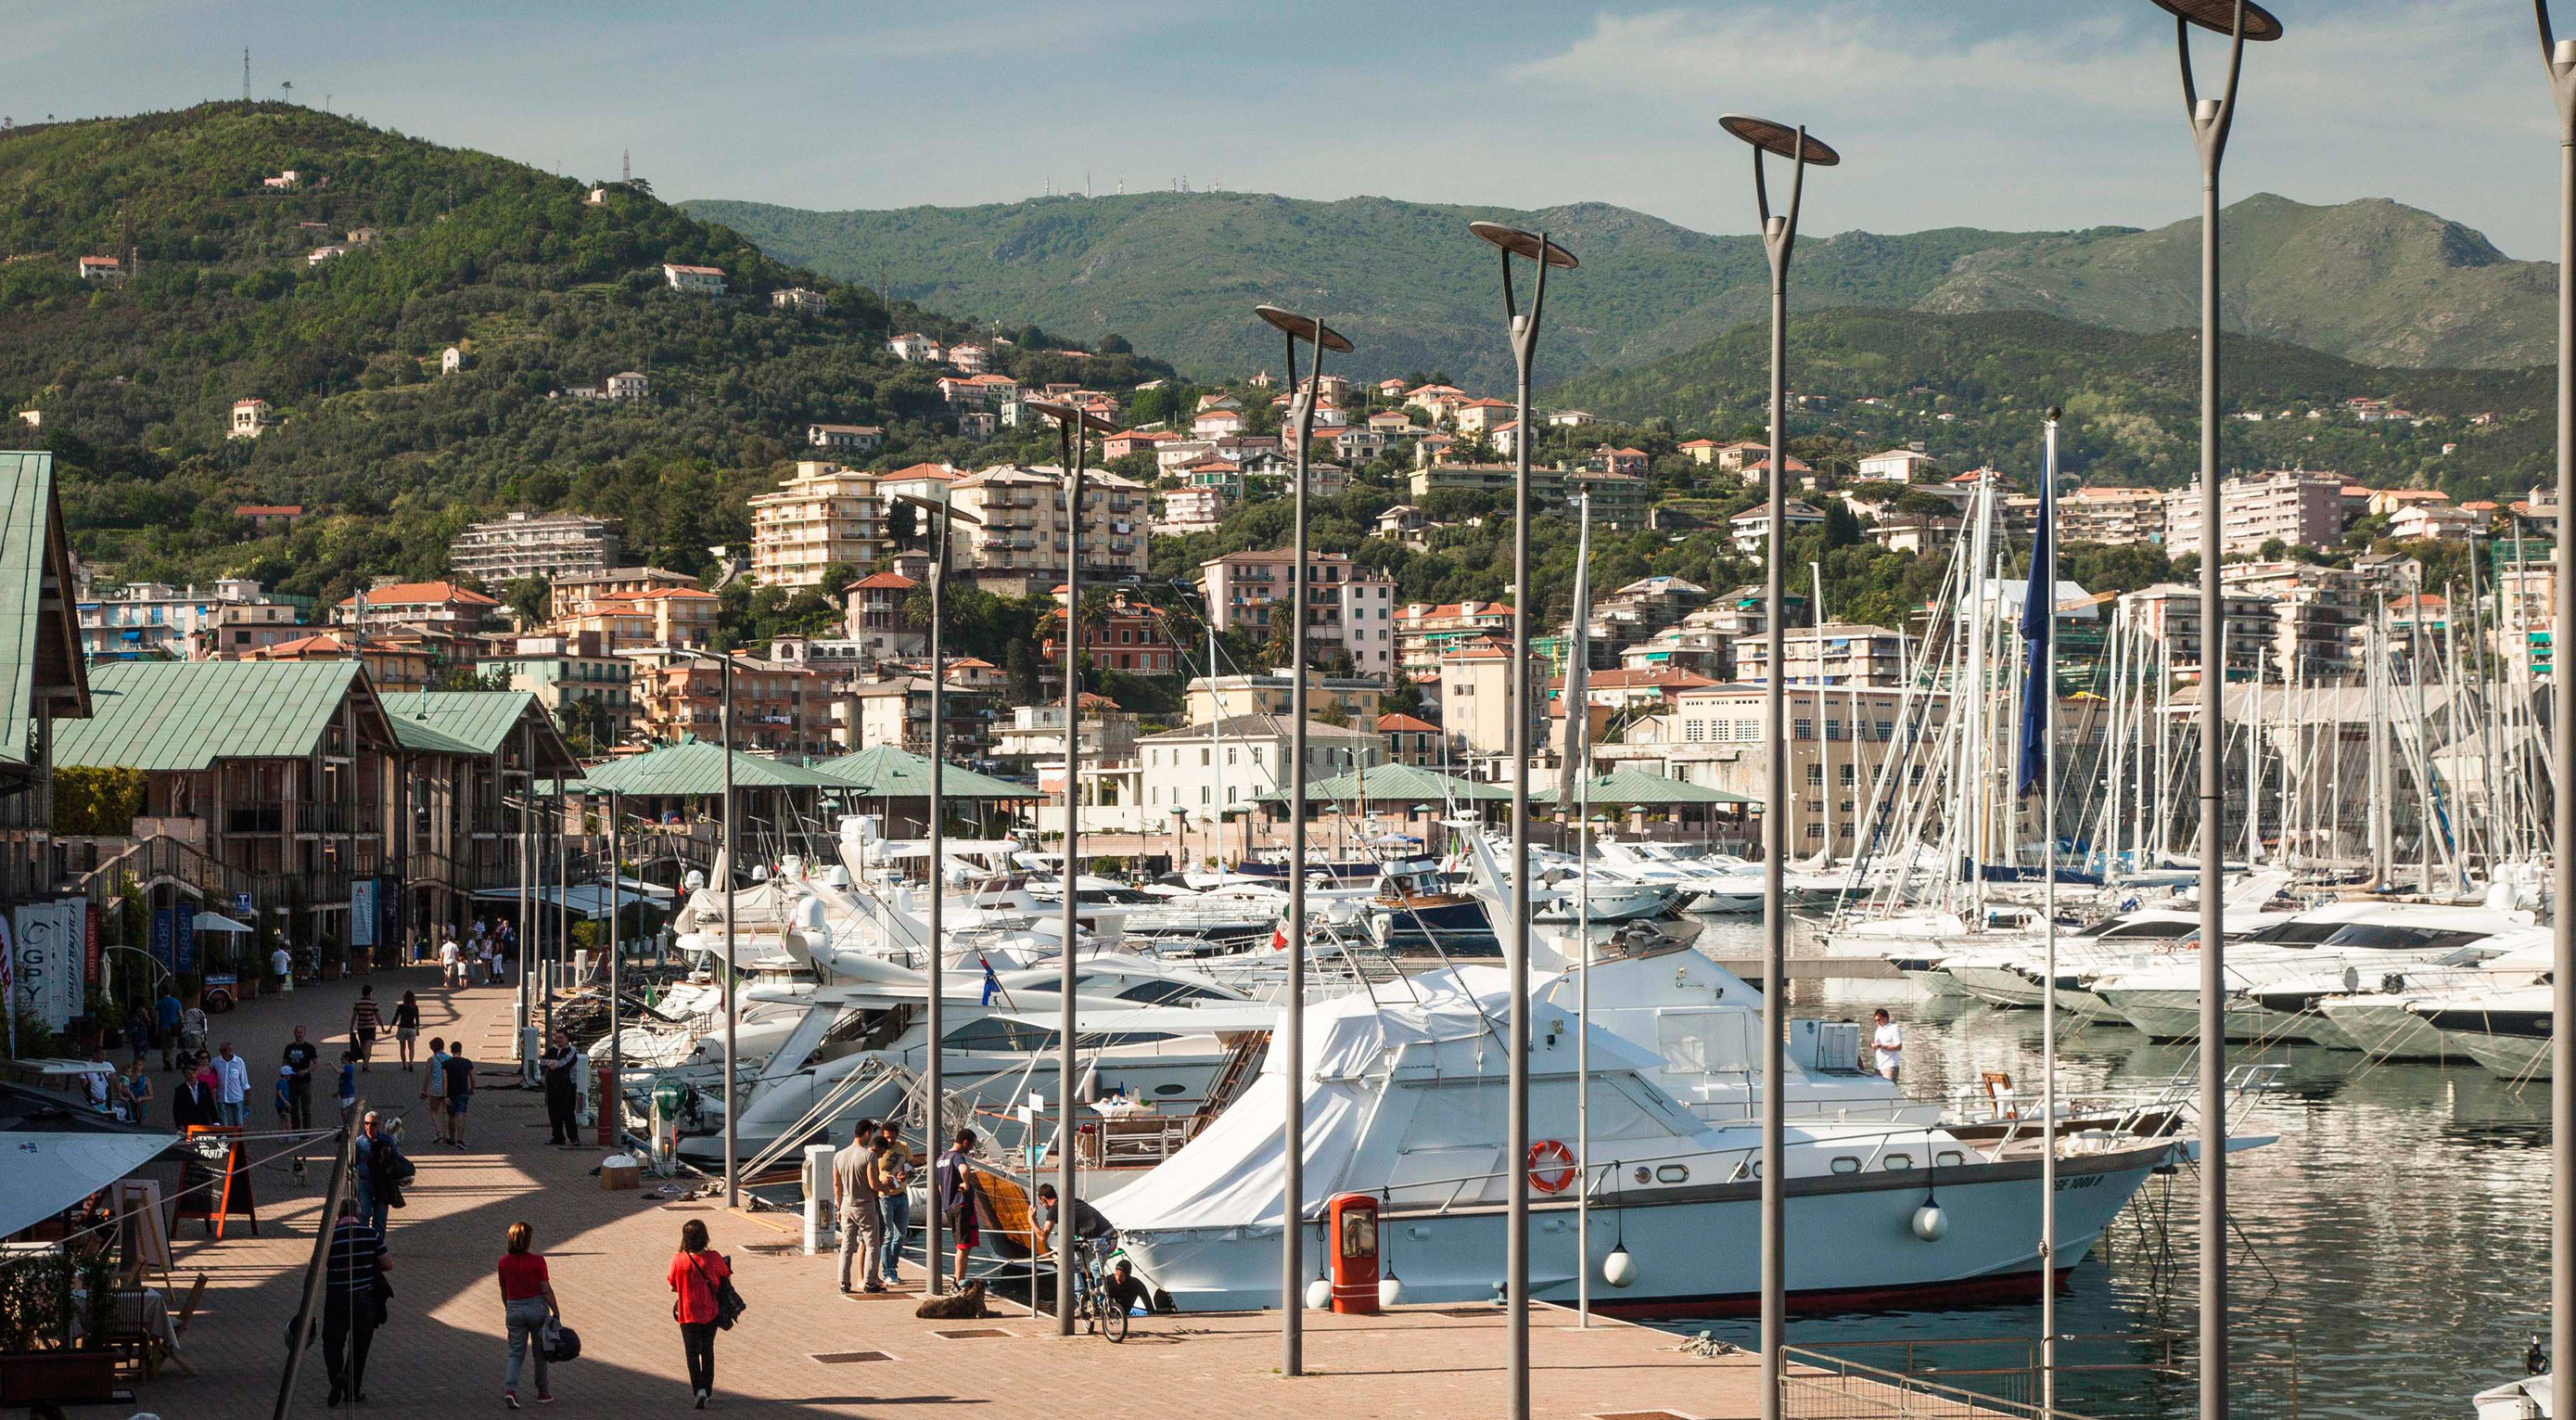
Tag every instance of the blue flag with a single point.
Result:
(992, 983)
(2038, 631)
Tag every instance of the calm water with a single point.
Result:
(2398, 1228)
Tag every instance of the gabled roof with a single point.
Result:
(182, 716)
(887, 772)
(481, 720)
(695, 769)
(414, 593)
(882, 581)
(39, 643)
(1405, 725)
(1625, 787)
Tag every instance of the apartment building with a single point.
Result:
(442, 608)
(1424, 633)
(1476, 698)
(564, 670)
(1836, 653)
(1714, 737)
(2111, 515)
(2169, 614)
(821, 516)
(1353, 697)
(1618, 499)
(1347, 606)
(778, 708)
(2294, 506)
(666, 616)
(1020, 545)
(1129, 636)
(573, 593)
(878, 620)
(1225, 765)
(540, 545)
(156, 621)
(2319, 615)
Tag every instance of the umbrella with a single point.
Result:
(218, 922)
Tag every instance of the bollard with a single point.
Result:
(818, 1195)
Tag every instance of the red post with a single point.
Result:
(604, 1103)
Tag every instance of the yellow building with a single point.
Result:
(822, 515)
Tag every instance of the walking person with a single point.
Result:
(528, 1307)
(138, 1030)
(170, 1011)
(371, 1174)
(299, 1056)
(556, 1067)
(356, 1268)
(895, 1167)
(138, 1093)
(1886, 1044)
(952, 1193)
(855, 1198)
(365, 1019)
(285, 1097)
(460, 1092)
(232, 1084)
(697, 1274)
(451, 963)
(433, 1088)
(406, 1027)
(348, 1086)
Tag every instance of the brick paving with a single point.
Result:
(609, 1252)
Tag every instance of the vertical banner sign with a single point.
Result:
(243, 912)
(183, 940)
(91, 967)
(165, 936)
(389, 907)
(362, 912)
(44, 964)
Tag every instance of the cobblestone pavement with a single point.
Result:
(609, 1251)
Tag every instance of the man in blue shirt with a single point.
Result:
(170, 1011)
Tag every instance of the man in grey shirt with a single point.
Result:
(854, 1194)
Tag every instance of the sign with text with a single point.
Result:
(46, 965)
(362, 912)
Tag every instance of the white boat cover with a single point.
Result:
(49, 1172)
(1234, 1173)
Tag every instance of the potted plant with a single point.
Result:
(37, 1362)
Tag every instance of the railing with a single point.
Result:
(2102, 1377)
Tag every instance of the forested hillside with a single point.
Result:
(541, 288)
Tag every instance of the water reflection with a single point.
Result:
(2398, 1227)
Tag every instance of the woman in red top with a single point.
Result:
(695, 1274)
(527, 1306)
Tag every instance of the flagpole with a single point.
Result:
(2042, 660)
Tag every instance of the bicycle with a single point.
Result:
(1093, 1302)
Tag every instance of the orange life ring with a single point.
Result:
(1551, 1166)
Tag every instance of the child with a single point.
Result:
(348, 1086)
(285, 1095)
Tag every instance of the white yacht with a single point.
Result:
(2372, 1012)
(1405, 1099)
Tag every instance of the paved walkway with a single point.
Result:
(610, 1251)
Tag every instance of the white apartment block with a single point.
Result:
(1022, 535)
(2299, 508)
(2113, 516)
(822, 515)
(541, 545)
(1225, 765)
(1346, 606)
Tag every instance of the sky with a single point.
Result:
(2011, 114)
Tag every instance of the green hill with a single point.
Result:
(2371, 280)
(2132, 400)
(1176, 272)
(1179, 273)
(542, 288)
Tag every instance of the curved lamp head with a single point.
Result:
(1067, 414)
(2219, 17)
(1781, 140)
(1306, 328)
(1528, 244)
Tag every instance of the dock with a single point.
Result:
(802, 1349)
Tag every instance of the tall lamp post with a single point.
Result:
(724, 860)
(1535, 248)
(941, 515)
(1074, 428)
(1300, 430)
(2211, 119)
(1779, 243)
(2561, 57)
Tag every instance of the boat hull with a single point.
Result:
(1697, 1247)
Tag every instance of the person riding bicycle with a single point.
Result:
(1088, 1225)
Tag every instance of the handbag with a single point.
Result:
(729, 1303)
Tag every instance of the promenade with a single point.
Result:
(609, 1252)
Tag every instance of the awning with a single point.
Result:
(48, 1173)
(588, 900)
(217, 922)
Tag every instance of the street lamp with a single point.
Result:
(1299, 430)
(1074, 427)
(724, 723)
(1779, 243)
(941, 514)
(1535, 248)
(2561, 57)
(2211, 119)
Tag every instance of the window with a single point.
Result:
(1886, 730)
(1815, 830)
(1845, 776)
(1203, 794)
(1203, 759)
(1833, 729)
(1816, 775)
(1806, 728)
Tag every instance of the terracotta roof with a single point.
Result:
(693, 270)
(881, 580)
(920, 470)
(293, 510)
(1660, 678)
(1454, 609)
(1405, 725)
(413, 593)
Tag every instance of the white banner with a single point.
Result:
(47, 960)
(362, 912)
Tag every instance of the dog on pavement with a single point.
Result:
(964, 1304)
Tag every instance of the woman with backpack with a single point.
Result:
(703, 1280)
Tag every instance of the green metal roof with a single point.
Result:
(1393, 784)
(1635, 788)
(480, 720)
(695, 769)
(29, 532)
(181, 716)
(421, 737)
(887, 772)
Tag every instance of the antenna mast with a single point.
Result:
(246, 76)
